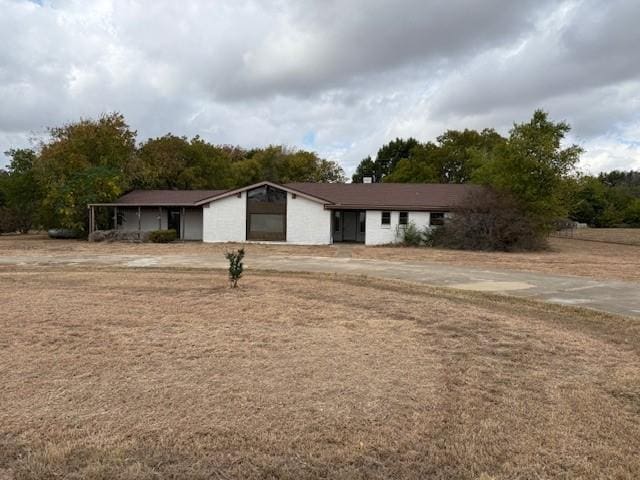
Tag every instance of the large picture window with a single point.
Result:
(267, 214)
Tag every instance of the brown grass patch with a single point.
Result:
(170, 374)
(566, 257)
(37, 244)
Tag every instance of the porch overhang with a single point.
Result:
(141, 204)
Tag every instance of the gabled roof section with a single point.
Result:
(161, 198)
(235, 191)
(388, 196)
(360, 196)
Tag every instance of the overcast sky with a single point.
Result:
(341, 77)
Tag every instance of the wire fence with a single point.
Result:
(617, 236)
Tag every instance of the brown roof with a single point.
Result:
(409, 196)
(383, 196)
(163, 197)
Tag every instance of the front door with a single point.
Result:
(349, 226)
(173, 222)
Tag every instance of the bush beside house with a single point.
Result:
(163, 236)
(119, 236)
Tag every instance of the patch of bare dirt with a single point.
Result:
(565, 257)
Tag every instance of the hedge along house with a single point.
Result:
(296, 213)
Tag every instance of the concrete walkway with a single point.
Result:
(605, 295)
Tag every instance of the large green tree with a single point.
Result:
(83, 162)
(21, 190)
(386, 160)
(164, 162)
(282, 165)
(534, 167)
(611, 199)
(453, 159)
(366, 168)
(175, 162)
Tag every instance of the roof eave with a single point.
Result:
(235, 191)
(133, 205)
(408, 208)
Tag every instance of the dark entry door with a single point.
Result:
(349, 226)
(173, 222)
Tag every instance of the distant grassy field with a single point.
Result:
(630, 236)
(145, 374)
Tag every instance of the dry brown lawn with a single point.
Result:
(145, 374)
(566, 256)
(38, 244)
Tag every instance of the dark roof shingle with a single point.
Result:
(421, 196)
(397, 196)
(165, 197)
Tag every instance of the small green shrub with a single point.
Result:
(428, 236)
(410, 235)
(235, 266)
(163, 236)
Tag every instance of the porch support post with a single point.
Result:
(90, 219)
(115, 218)
(139, 218)
(183, 221)
(159, 218)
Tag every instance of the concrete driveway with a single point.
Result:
(605, 295)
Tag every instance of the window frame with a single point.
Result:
(441, 216)
(386, 224)
(406, 219)
(250, 211)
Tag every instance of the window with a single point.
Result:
(336, 221)
(266, 214)
(386, 218)
(436, 219)
(404, 218)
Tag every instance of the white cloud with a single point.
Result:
(610, 153)
(352, 73)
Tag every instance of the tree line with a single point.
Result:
(530, 164)
(97, 160)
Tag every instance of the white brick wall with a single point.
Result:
(378, 234)
(225, 220)
(308, 223)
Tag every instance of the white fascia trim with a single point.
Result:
(256, 185)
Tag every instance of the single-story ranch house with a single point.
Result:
(296, 213)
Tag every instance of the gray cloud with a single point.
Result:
(349, 74)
